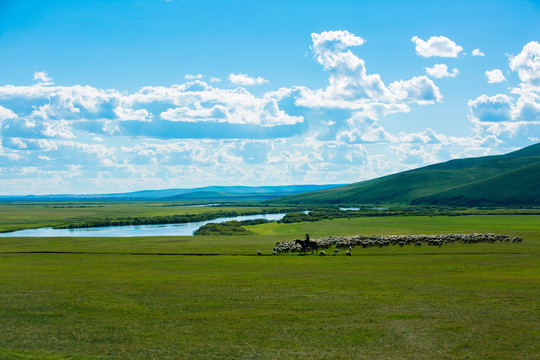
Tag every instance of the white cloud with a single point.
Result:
(515, 115)
(350, 87)
(214, 79)
(344, 154)
(527, 64)
(329, 46)
(477, 52)
(527, 107)
(477, 142)
(416, 155)
(495, 76)
(59, 111)
(436, 46)
(42, 77)
(420, 90)
(428, 136)
(216, 113)
(491, 108)
(363, 130)
(245, 80)
(368, 135)
(440, 71)
(193, 77)
(6, 114)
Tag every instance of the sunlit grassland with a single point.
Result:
(508, 224)
(459, 301)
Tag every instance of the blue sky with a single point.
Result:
(110, 96)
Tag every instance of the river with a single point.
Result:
(185, 229)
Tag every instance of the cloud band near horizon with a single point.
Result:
(80, 137)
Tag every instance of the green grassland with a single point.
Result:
(159, 298)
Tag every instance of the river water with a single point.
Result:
(186, 229)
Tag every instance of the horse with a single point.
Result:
(307, 244)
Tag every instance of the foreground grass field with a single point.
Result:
(117, 299)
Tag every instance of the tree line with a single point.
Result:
(332, 213)
(229, 228)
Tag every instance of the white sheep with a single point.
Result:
(348, 253)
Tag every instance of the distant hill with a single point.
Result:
(509, 179)
(203, 194)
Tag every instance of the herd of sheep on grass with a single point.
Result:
(347, 243)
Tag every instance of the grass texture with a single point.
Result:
(105, 298)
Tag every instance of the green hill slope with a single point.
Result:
(423, 183)
(518, 187)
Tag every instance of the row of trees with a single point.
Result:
(229, 227)
(332, 213)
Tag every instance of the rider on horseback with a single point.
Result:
(306, 244)
(306, 240)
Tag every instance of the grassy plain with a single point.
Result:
(116, 298)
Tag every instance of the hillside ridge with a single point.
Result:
(421, 185)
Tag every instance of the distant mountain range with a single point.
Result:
(203, 194)
(512, 179)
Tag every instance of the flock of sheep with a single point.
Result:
(365, 241)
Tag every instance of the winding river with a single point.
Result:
(185, 229)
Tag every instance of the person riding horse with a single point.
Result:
(307, 244)
(306, 241)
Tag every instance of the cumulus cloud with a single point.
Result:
(527, 64)
(215, 113)
(440, 71)
(344, 154)
(495, 76)
(515, 115)
(414, 154)
(329, 47)
(6, 114)
(57, 111)
(193, 77)
(428, 136)
(245, 80)
(361, 130)
(366, 135)
(42, 77)
(491, 108)
(440, 46)
(477, 52)
(351, 87)
(420, 90)
(527, 107)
